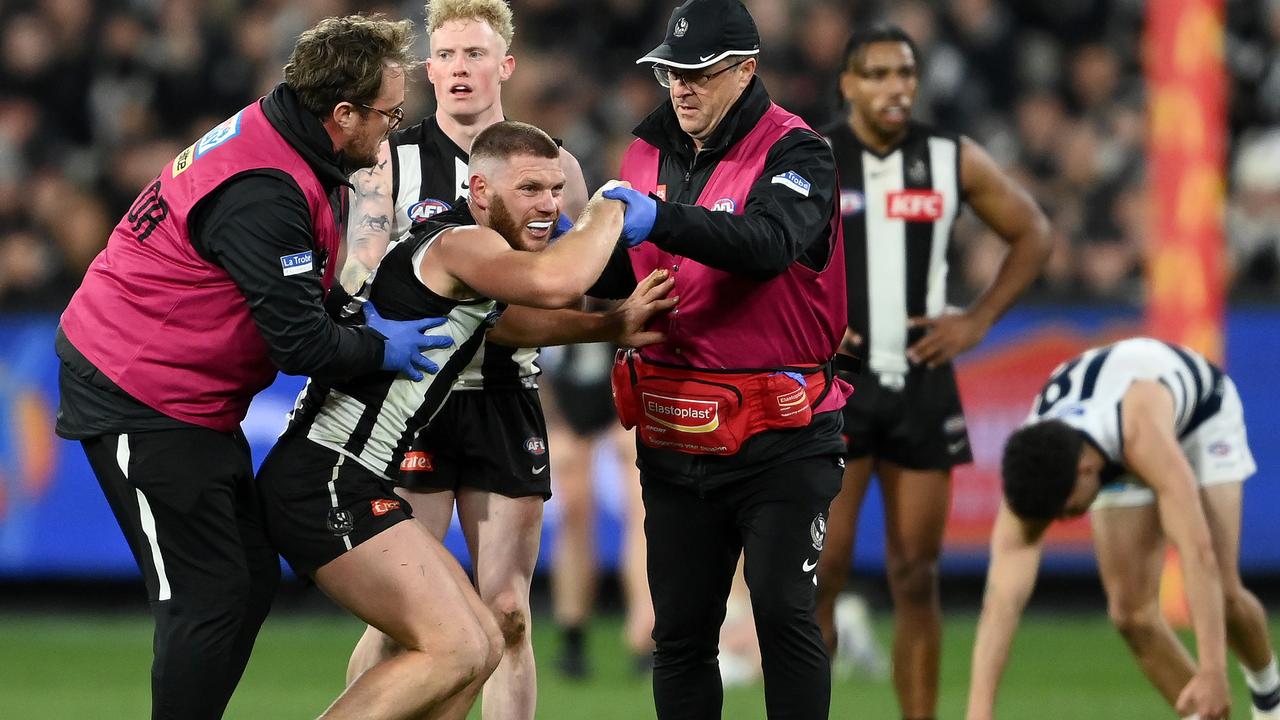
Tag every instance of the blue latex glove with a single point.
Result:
(641, 213)
(406, 343)
(563, 225)
(794, 376)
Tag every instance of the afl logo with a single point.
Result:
(725, 205)
(426, 208)
(852, 202)
(535, 446)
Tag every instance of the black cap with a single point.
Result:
(704, 32)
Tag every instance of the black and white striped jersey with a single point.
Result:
(373, 418)
(898, 211)
(428, 171)
(1086, 391)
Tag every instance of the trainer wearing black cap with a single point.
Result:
(737, 411)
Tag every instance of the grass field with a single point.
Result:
(1066, 667)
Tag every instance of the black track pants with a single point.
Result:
(777, 521)
(185, 501)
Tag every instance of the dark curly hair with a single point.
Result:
(342, 60)
(876, 33)
(1039, 467)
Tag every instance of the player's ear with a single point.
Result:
(847, 80)
(479, 188)
(506, 68)
(343, 115)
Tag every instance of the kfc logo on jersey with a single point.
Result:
(381, 507)
(724, 205)
(425, 209)
(915, 205)
(416, 461)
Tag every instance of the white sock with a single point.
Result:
(1264, 680)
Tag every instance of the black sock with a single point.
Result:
(573, 637)
(1266, 701)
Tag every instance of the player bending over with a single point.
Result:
(1150, 438)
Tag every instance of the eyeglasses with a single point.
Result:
(393, 116)
(666, 75)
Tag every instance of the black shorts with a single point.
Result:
(586, 409)
(919, 426)
(580, 385)
(491, 440)
(320, 503)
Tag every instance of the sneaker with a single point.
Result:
(858, 652)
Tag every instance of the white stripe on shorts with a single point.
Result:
(333, 495)
(148, 521)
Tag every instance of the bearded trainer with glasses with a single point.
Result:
(737, 411)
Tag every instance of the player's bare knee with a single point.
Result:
(495, 645)
(914, 581)
(484, 651)
(470, 655)
(1237, 601)
(1135, 622)
(511, 612)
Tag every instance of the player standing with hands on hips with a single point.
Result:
(902, 185)
(738, 438)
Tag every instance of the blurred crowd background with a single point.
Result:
(95, 96)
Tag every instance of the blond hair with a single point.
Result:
(494, 12)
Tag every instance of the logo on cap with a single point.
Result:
(682, 27)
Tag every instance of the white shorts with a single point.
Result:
(1218, 451)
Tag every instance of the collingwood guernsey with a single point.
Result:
(898, 210)
(428, 170)
(373, 418)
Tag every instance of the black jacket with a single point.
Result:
(245, 227)
(778, 226)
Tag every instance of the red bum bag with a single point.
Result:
(711, 412)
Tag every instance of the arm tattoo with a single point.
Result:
(369, 232)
